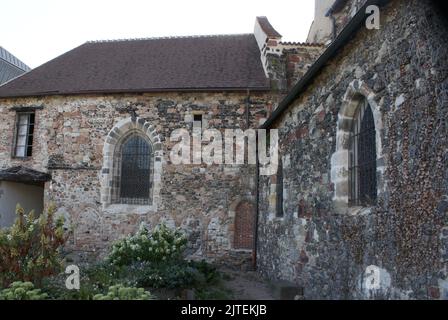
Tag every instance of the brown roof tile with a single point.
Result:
(268, 28)
(201, 63)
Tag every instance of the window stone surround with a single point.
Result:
(356, 91)
(121, 130)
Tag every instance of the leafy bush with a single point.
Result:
(214, 293)
(163, 244)
(163, 275)
(210, 273)
(178, 274)
(94, 279)
(22, 291)
(120, 292)
(29, 250)
(154, 260)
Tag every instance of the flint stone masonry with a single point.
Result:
(325, 246)
(75, 139)
(286, 63)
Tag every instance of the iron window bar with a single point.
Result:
(362, 158)
(135, 172)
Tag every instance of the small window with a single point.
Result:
(362, 167)
(23, 146)
(279, 190)
(197, 121)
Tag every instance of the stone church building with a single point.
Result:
(83, 130)
(358, 206)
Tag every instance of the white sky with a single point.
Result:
(36, 31)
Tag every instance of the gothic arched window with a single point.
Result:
(132, 183)
(362, 157)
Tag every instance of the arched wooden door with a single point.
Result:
(244, 226)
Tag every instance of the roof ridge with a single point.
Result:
(305, 44)
(169, 37)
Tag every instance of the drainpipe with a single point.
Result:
(254, 251)
(257, 205)
(247, 109)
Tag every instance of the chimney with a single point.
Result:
(284, 63)
(267, 39)
(265, 32)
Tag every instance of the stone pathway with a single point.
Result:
(247, 285)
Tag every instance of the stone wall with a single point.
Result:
(321, 243)
(342, 16)
(287, 62)
(73, 137)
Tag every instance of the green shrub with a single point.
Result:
(22, 291)
(178, 274)
(164, 275)
(94, 279)
(29, 249)
(210, 273)
(163, 244)
(120, 292)
(214, 293)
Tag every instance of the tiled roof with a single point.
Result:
(199, 63)
(303, 44)
(268, 28)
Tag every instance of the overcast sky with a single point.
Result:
(36, 31)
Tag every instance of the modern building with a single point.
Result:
(10, 66)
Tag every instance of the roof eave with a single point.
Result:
(25, 175)
(136, 91)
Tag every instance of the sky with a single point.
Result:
(36, 31)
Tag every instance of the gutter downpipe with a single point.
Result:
(257, 206)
